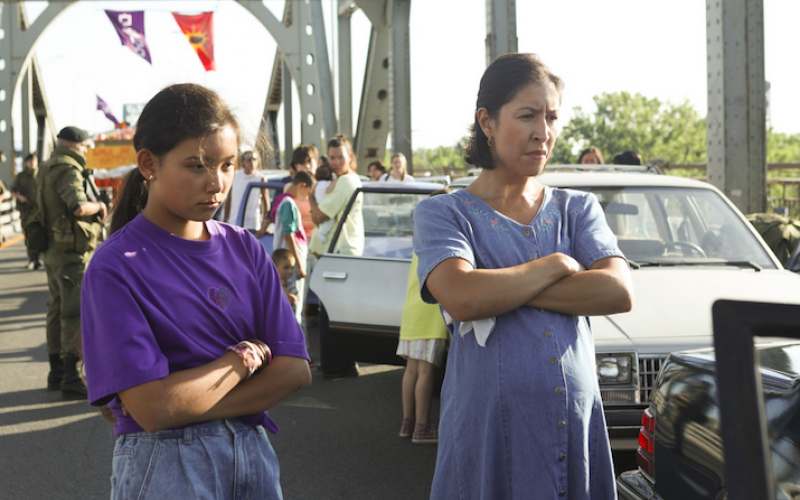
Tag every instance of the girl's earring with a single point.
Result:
(488, 141)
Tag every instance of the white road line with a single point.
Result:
(43, 425)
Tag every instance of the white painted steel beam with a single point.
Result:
(736, 121)
(400, 79)
(373, 113)
(304, 52)
(46, 128)
(26, 93)
(501, 28)
(345, 73)
(16, 50)
(325, 79)
(288, 129)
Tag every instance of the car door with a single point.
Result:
(274, 188)
(364, 295)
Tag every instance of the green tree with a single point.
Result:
(436, 159)
(656, 130)
(782, 148)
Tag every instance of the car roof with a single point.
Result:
(581, 179)
(606, 179)
(401, 187)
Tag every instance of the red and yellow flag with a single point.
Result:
(199, 30)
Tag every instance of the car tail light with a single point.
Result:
(644, 454)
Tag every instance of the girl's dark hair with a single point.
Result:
(501, 81)
(178, 112)
(340, 141)
(324, 173)
(300, 156)
(591, 149)
(303, 177)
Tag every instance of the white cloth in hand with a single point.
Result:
(481, 327)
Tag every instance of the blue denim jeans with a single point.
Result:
(223, 459)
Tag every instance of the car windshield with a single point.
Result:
(389, 223)
(679, 226)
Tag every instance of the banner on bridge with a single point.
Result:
(199, 30)
(130, 28)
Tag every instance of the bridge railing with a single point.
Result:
(783, 180)
(9, 220)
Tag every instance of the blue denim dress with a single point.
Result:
(521, 417)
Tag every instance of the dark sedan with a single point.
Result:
(681, 455)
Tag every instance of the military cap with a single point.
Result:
(73, 134)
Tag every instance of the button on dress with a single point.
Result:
(522, 417)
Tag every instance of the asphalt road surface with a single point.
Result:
(338, 439)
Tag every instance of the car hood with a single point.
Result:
(672, 305)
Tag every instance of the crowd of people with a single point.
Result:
(189, 332)
(593, 156)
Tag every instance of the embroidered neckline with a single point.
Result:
(495, 218)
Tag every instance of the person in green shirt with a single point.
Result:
(74, 220)
(24, 191)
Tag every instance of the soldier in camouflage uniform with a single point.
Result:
(74, 221)
(24, 190)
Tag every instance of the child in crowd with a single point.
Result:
(186, 334)
(325, 184)
(290, 234)
(423, 343)
(285, 262)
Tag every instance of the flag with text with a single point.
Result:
(130, 28)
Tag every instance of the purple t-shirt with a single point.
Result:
(153, 304)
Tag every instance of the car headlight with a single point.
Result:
(615, 369)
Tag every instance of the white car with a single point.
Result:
(688, 246)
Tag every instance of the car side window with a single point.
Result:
(389, 224)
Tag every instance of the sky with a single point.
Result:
(657, 49)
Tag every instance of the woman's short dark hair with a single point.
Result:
(500, 83)
(178, 112)
(378, 166)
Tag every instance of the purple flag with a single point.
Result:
(130, 28)
(106, 109)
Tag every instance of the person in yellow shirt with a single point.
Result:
(423, 343)
(342, 161)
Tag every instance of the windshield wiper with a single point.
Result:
(744, 263)
(675, 263)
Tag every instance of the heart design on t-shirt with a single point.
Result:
(220, 296)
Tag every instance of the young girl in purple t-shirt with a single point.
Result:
(187, 334)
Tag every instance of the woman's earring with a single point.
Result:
(488, 141)
(151, 177)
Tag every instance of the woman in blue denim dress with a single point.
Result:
(517, 266)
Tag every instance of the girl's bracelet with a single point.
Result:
(253, 355)
(267, 353)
